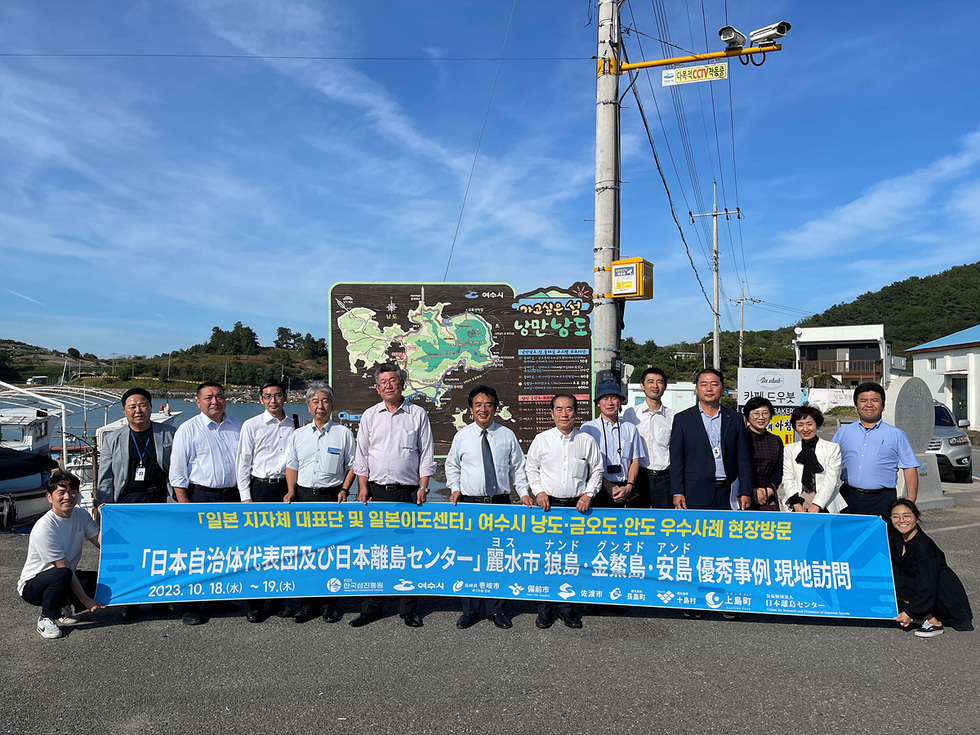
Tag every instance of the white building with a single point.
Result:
(950, 366)
(852, 355)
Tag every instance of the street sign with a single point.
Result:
(689, 74)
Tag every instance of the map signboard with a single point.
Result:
(452, 337)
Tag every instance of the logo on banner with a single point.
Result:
(566, 591)
(713, 600)
(771, 381)
(404, 585)
(615, 594)
(333, 584)
(458, 585)
(665, 596)
(516, 589)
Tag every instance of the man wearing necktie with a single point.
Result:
(484, 462)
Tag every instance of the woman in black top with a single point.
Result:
(927, 589)
(766, 451)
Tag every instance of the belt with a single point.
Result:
(480, 498)
(392, 487)
(659, 472)
(722, 483)
(563, 502)
(320, 490)
(220, 490)
(271, 480)
(867, 492)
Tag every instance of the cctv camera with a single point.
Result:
(732, 37)
(767, 36)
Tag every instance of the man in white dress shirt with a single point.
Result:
(564, 468)
(484, 462)
(202, 463)
(261, 466)
(654, 420)
(319, 470)
(395, 461)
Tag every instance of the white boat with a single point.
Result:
(29, 420)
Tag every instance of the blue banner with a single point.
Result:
(785, 563)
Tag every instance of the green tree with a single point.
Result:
(74, 354)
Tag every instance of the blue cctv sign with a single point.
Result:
(785, 563)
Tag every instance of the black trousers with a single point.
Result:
(635, 499)
(318, 495)
(722, 500)
(658, 489)
(51, 590)
(374, 606)
(201, 494)
(868, 504)
(491, 606)
(264, 491)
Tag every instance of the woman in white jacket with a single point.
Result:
(811, 468)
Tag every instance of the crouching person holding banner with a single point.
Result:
(564, 468)
(484, 461)
(50, 578)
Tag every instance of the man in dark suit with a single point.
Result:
(709, 451)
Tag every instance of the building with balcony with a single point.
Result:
(847, 355)
(950, 366)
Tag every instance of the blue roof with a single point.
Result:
(967, 336)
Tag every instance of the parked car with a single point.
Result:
(951, 447)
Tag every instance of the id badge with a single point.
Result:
(140, 474)
(716, 452)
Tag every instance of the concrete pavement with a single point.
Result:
(649, 671)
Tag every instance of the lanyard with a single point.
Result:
(605, 447)
(140, 454)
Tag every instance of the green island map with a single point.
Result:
(434, 346)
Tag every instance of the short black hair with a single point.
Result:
(59, 477)
(487, 391)
(711, 370)
(136, 392)
(869, 388)
(755, 403)
(804, 411)
(209, 384)
(653, 371)
(272, 383)
(908, 503)
(565, 395)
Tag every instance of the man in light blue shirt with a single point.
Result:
(484, 462)
(621, 447)
(872, 452)
(319, 463)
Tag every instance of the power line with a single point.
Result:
(284, 57)
(479, 142)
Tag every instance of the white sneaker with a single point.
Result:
(67, 616)
(48, 628)
(929, 631)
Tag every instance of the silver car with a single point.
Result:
(951, 447)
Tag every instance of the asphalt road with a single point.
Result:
(650, 671)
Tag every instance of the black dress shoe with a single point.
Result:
(363, 619)
(191, 617)
(331, 614)
(164, 608)
(501, 621)
(254, 615)
(130, 612)
(731, 616)
(570, 621)
(692, 615)
(543, 621)
(282, 611)
(466, 620)
(412, 620)
(303, 614)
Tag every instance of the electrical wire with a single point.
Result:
(479, 142)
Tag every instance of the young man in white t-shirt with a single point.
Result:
(49, 579)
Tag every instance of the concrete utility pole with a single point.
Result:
(741, 321)
(606, 312)
(716, 343)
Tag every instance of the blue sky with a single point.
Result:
(144, 200)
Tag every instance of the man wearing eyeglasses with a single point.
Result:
(394, 462)
(261, 465)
